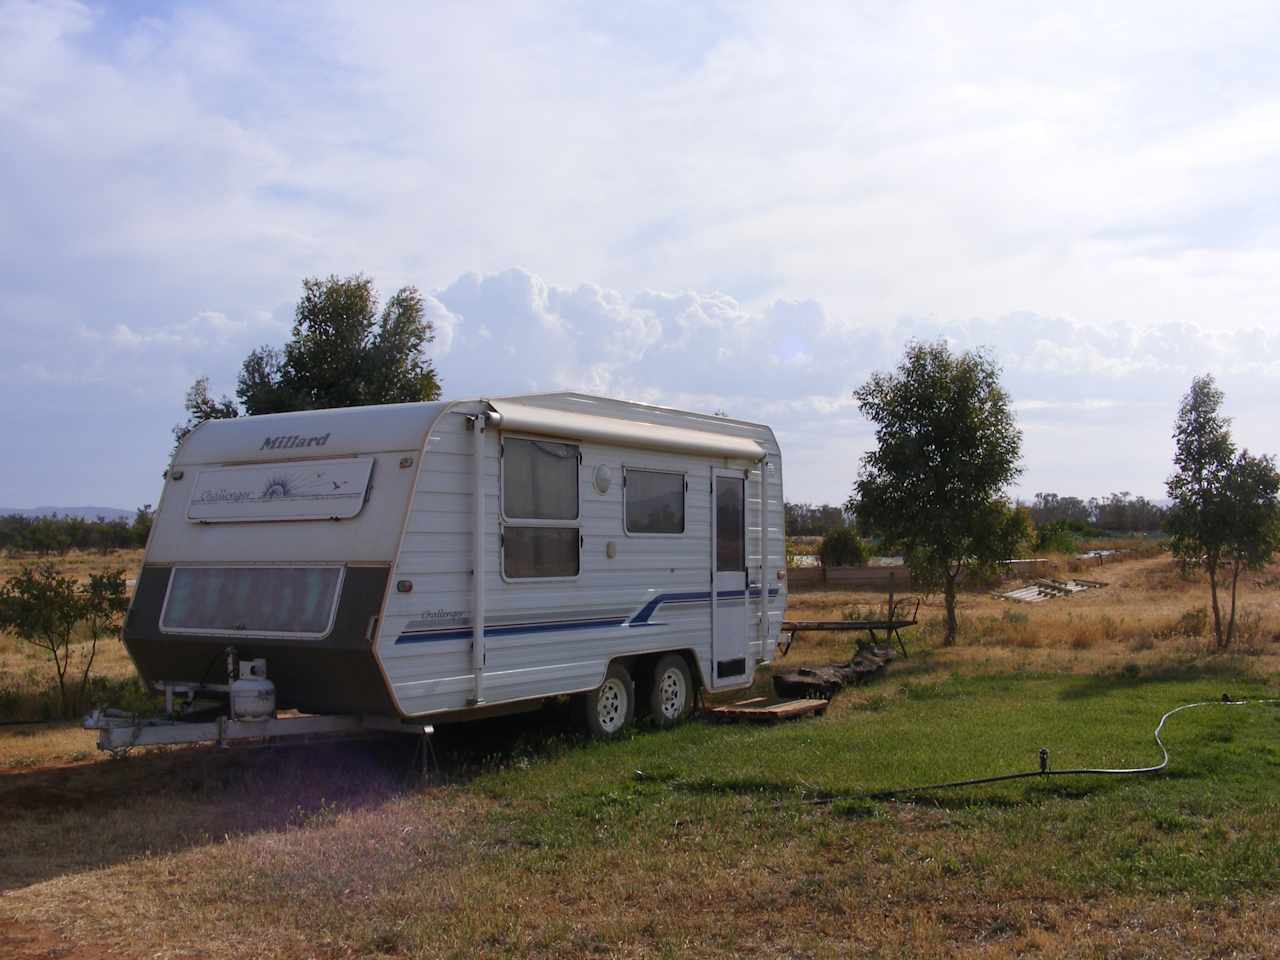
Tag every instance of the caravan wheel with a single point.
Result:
(671, 694)
(608, 709)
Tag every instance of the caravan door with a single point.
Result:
(729, 577)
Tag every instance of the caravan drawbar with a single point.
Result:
(439, 561)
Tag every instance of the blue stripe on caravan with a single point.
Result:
(516, 629)
(641, 619)
(648, 609)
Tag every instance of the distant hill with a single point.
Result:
(88, 513)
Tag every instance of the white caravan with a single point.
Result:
(445, 560)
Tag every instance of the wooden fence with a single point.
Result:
(899, 577)
(848, 578)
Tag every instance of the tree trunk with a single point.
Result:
(949, 591)
(88, 665)
(61, 669)
(1231, 620)
(1217, 610)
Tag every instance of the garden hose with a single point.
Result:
(1045, 770)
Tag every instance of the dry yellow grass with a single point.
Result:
(77, 564)
(27, 746)
(1141, 617)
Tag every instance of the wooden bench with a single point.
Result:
(899, 613)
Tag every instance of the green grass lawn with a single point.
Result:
(701, 840)
(1209, 826)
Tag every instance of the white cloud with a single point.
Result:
(1078, 389)
(708, 352)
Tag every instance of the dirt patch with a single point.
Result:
(20, 941)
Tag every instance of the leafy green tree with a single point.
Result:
(46, 609)
(1202, 460)
(1058, 536)
(1015, 530)
(842, 547)
(947, 447)
(200, 406)
(1225, 515)
(140, 529)
(1051, 508)
(49, 535)
(262, 387)
(344, 352)
(806, 520)
(1252, 521)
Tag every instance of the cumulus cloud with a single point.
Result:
(1079, 390)
(788, 365)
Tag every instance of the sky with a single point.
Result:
(744, 207)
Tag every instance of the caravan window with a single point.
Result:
(654, 501)
(539, 480)
(540, 535)
(261, 601)
(540, 552)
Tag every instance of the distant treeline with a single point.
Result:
(1117, 513)
(58, 535)
(806, 520)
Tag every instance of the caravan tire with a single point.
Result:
(671, 692)
(607, 710)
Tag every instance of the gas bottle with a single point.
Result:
(253, 696)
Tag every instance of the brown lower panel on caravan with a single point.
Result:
(334, 674)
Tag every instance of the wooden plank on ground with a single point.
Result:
(763, 712)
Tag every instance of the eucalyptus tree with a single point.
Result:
(1225, 515)
(346, 350)
(947, 448)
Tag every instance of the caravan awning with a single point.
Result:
(623, 433)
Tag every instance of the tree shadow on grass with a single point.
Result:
(863, 804)
(1228, 671)
(1034, 793)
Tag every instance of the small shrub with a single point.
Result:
(842, 547)
(48, 610)
(125, 693)
(1248, 633)
(1082, 640)
(10, 698)
(1057, 537)
(984, 577)
(1193, 624)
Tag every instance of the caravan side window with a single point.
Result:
(654, 501)
(540, 536)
